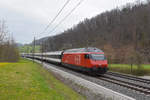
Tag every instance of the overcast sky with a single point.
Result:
(25, 18)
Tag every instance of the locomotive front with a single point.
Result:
(97, 62)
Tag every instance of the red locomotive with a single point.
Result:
(85, 59)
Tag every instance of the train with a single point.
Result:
(90, 59)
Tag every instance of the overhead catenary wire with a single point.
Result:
(56, 16)
(63, 18)
(59, 12)
(67, 15)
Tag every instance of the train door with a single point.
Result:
(86, 60)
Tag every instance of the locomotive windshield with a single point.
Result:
(98, 57)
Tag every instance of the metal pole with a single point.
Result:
(42, 52)
(33, 48)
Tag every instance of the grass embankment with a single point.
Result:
(26, 80)
(126, 68)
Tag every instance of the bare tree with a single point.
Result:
(3, 30)
(8, 49)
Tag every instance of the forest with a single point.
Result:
(8, 48)
(122, 33)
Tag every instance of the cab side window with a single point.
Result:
(86, 56)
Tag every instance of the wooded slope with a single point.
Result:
(122, 33)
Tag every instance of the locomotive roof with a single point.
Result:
(89, 49)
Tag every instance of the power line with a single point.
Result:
(56, 15)
(67, 16)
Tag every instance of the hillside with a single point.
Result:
(123, 34)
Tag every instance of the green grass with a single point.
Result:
(26, 80)
(126, 68)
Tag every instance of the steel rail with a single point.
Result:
(129, 77)
(142, 89)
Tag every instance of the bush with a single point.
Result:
(9, 52)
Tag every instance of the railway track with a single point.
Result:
(130, 77)
(127, 84)
(114, 83)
